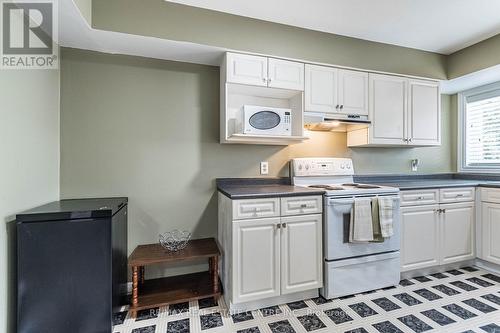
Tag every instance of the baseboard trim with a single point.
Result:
(494, 268)
(436, 269)
(264, 303)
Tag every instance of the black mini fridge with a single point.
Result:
(72, 265)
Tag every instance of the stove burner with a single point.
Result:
(364, 186)
(367, 186)
(326, 187)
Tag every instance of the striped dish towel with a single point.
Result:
(385, 209)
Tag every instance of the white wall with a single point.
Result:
(29, 162)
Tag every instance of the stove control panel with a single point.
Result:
(327, 166)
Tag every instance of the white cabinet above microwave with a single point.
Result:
(265, 72)
(274, 88)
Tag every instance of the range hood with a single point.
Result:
(319, 121)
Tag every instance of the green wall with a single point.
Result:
(159, 18)
(148, 129)
(475, 57)
(29, 168)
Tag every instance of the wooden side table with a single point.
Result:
(175, 289)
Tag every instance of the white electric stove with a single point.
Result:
(349, 268)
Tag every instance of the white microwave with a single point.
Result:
(261, 120)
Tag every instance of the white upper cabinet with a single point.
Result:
(246, 69)
(265, 72)
(353, 92)
(387, 109)
(321, 89)
(285, 74)
(334, 90)
(424, 125)
(403, 112)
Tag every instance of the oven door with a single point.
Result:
(337, 222)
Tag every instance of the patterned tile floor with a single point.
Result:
(465, 300)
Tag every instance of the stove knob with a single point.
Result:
(342, 166)
(300, 166)
(307, 166)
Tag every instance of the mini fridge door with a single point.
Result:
(64, 276)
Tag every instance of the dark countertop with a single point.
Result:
(250, 188)
(429, 183)
(434, 181)
(265, 191)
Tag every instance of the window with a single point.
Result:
(480, 129)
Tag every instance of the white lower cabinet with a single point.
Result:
(419, 237)
(256, 259)
(269, 260)
(437, 234)
(301, 257)
(457, 232)
(490, 219)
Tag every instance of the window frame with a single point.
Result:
(461, 102)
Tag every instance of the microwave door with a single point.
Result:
(264, 120)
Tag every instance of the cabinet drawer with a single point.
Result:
(457, 194)
(490, 195)
(252, 208)
(419, 197)
(301, 205)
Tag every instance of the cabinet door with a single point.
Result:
(387, 109)
(301, 253)
(256, 259)
(457, 232)
(490, 218)
(286, 74)
(246, 69)
(424, 114)
(321, 89)
(419, 237)
(353, 92)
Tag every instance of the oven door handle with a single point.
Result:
(340, 202)
(343, 202)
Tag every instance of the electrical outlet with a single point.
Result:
(414, 164)
(264, 168)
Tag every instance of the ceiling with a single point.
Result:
(442, 26)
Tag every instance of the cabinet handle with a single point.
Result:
(283, 225)
(337, 106)
(443, 210)
(409, 140)
(405, 140)
(278, 226)
(459, 195)
(268, 79)
(420, 198)
(264, 79)
(303, 205)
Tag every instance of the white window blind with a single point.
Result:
(482, 130)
